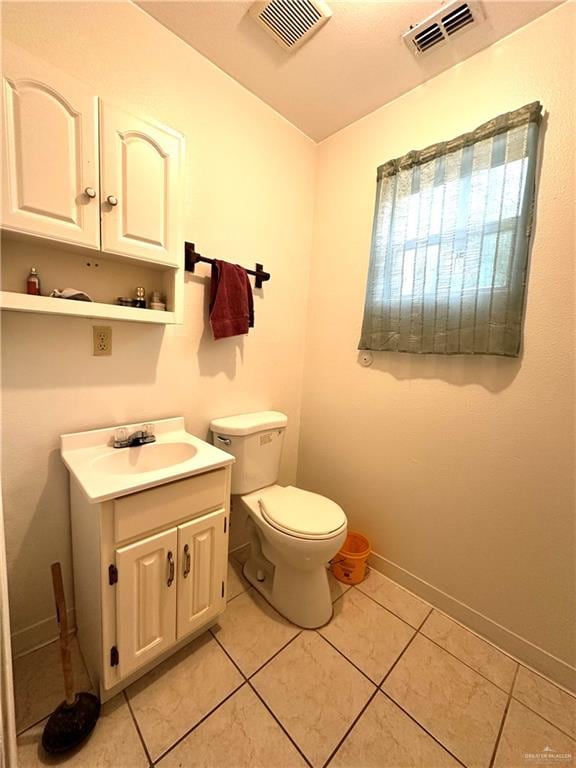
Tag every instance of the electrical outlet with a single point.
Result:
(102, 340)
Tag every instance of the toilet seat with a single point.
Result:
(301, 514)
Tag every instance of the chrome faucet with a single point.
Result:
(141, 437)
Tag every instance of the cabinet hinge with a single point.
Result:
(112, 574)
(114, 656)
(225, 524)
(222, 589)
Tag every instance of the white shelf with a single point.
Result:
(22, 302)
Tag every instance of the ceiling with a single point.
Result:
(354, 64)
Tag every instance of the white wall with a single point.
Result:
(460, 470)
(249, 198)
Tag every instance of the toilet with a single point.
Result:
(293, 533)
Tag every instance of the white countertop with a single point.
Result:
(104, 472)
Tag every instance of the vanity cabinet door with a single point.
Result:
(141, 169)
(201, 574)
(50, 182)
(146, 599)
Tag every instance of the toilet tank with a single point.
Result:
(255, 439)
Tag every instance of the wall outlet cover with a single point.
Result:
(101, 340)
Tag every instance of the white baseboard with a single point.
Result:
(521, 649)
(38, 635)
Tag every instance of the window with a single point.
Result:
(450, 243)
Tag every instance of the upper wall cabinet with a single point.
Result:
(111, 181)
(140, 176)
(50, 180)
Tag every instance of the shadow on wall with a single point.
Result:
(47, 530)
(493, 373)
(220, 356)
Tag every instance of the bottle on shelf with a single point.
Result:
(33, 283)
(140, 300)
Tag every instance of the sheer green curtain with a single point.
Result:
(449, 256)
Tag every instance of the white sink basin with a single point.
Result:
(104, 472)
(144, 458)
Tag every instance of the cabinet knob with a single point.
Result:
(187, 562)
(112, 200)
(90, 192)
(170, 569)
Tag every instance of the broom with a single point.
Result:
(74, 719)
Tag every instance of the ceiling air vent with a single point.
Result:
(439, 27)
(291, 22)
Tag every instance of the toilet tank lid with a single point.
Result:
(249, 423)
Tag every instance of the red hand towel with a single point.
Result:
(231, 303)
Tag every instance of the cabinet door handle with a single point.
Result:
(90, 192)
(186, 560)
(112, 200)
(170, 569)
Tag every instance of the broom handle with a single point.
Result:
(63, 623)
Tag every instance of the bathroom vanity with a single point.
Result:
(149, 543)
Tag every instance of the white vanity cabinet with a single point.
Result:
(149, 573)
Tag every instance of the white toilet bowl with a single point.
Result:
(294, 534)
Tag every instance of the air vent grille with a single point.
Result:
(291, 22)
(457, 19)
(442, 25)
(428, 37)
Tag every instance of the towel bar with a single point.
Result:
(191, 258)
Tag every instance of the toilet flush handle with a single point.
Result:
(225, 440)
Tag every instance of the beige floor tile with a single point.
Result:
(477, 653)
(314, 692)
(38, 683)
(458, 706)
(174, 696)
(240, 734)
(367, 634)
(113, 743)
(385, 737)
(337, 588)
(546, 699)
(394, 597)
(236, 581)
(251, 631)
(528, 740)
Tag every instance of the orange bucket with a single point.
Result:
(349, 565)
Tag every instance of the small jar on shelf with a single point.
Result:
(156, 301)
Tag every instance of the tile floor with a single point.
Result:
(388, 683)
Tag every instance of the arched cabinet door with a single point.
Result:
(50, 152)
(141, 168)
